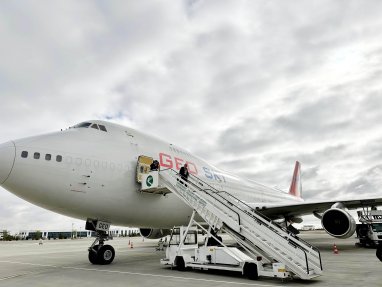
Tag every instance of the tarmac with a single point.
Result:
(65, 263)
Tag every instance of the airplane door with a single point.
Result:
(143, 166)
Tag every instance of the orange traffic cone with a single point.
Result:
(129, 242)
(335, 250)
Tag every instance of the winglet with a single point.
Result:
(295, 186)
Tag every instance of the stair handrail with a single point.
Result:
(229, 207)
(267, 219)
(271, 225)
(218, 192)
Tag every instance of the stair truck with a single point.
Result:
(271, 250)
(369, 230)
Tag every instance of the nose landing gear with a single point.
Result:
(100, 253)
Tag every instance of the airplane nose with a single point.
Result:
(7, 158)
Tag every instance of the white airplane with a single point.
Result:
(89, 171)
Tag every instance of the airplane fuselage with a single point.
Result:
(87, 172)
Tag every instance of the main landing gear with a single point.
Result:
(99, 252)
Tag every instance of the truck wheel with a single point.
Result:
(250, 271)
(179, 262)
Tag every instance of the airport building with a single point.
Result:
(27, 234)
(308, 227)
(124, 232)
(49, 234)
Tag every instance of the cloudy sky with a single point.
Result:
(250, 86)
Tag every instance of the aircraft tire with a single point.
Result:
(179, 262)
(250, 271)
(93, 255)
(105, 254)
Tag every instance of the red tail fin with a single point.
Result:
(295, 186)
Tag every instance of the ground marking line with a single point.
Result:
(137, 273)
(10, 277)
(16, 275)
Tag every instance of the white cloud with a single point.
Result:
(256, 85)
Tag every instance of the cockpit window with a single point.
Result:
(102, 128)
(82, 125)
(90, 125)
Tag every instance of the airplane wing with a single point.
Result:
(305, 208)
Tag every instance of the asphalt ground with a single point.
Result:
(65, 263)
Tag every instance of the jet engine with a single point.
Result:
(338, 222)
(154, 233)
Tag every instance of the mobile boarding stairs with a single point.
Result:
(262, 238)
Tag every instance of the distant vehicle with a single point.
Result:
(93, 171)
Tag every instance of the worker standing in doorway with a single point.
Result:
(184, 172)
(155, 165)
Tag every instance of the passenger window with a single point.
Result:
(102, 128)
(59, 158)
(48, 156)
(94, 126)
(36, 155)
(24, 154)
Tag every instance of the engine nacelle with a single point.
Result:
(154, 233)
(338, 223)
